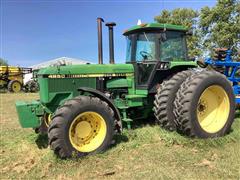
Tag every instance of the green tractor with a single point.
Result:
(82, 107)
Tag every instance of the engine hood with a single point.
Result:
(87, 69)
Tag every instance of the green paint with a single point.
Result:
(29, 113)
(119, 83)
(88, 69)
(60, 83)
(129, 101)
(142, 91)
(126, 119)
(67, 86)
(176, 63)
(43, 84)
(131, 90)
(155, 26)
(135, 102)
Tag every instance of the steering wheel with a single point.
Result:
(146, 55)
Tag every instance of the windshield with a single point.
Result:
(141, 46)
(147, 46)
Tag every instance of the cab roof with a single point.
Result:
(155, 26)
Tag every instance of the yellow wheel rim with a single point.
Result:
(47, 119)
(16, 87)
(87, 131)
(213, 109)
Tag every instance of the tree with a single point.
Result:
(220, 25)
(214, 27)
(186, 17)
(3, 62)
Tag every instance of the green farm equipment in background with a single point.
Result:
(81, 107)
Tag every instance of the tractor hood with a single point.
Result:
(88, 69)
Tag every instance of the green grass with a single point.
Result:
(147, 152)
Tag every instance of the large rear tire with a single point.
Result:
(205, 105)
(14, 86)
(164, 99)
(82, 126)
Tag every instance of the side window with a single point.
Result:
(129, 49)
(147, 47)
(174, 47)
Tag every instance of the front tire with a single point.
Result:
(82, 126)
(205, 105)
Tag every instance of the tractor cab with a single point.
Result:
(154, 46)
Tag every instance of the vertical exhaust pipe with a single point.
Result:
(100, 49)
(111, 43)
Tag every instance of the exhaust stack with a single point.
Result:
(100, 49)
(111, 43)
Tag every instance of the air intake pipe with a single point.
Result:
(111, 43)
(100, 49)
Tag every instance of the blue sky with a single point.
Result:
(36, 31)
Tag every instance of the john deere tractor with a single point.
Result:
(82, 107)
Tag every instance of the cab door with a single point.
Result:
(145, 56)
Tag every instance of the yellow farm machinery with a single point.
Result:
(11, 78)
